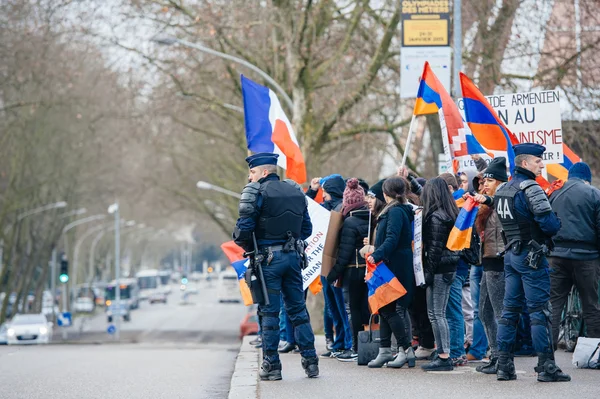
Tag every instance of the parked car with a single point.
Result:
(84, 305)
(158, 297)
(249, 325)
(26, 329)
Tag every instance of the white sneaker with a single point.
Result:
(423, 353)
(282, 344)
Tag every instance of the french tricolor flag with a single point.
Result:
(269, 130)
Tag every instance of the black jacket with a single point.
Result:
(437, 258)
(393, 246)
(354, 230)
(578, 207)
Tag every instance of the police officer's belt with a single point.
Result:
(272, 248)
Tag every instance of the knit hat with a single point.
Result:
(353, 194)
(377, 190)
(496, 169)
(582, 171)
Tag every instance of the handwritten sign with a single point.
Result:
(319, 217)
(418, 248)
(533, 117)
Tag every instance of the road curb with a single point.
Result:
(244, 381)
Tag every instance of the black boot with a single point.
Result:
(287, 348)
(490, 368)
(311, 366)
(506, 367)
(548, 371)
(270, 371)
(439, 364)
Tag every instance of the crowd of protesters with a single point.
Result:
(453, 318)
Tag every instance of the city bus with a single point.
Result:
(129, 298)
(149, 283)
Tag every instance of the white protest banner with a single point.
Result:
(418, 248)
(319, 217)
(533, 117)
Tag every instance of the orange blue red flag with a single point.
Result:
(460, 236)
(383, 286)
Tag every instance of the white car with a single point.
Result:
(84, 305)
(27, 329)
(158, 297)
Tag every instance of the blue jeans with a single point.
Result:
(343, 332)
(480, 342)
(327, 319)
(525, 287)
(456, 321)
(284, 276)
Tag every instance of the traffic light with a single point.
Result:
(64, 271)
(184, 279)
(210, 269)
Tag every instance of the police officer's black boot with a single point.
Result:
(311, 366)
(491, 367)
(270, 371)
(548, 371)
(506, 367)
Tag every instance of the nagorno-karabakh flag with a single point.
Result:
(433, 97)
(383, 286)
(460, 236)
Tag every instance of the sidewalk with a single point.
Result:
(348, 380)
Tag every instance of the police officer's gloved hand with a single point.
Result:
(331, 277)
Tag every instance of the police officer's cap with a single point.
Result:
(262, 158)
(529, 149)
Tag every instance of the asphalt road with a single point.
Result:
(178, 351)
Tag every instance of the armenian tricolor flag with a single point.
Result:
(460, 236)
(235, 254)
(432, 98)
(561, 171)
(383, 286)
(489, 130)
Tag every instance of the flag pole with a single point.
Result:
(408, 140)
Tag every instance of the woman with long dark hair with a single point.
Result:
(393, 245)
(439, 214)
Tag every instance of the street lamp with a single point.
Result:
(202, 185)
(169, 41)
(56, 205)
(95, 242)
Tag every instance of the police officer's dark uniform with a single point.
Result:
(274, 211)
(528, 223)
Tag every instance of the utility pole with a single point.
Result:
(457, 47)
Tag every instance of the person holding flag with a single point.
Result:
(393, 246)
(439, 263)
(491, 293)
(274, 216)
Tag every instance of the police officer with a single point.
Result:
(276, 212)
(529, 224)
